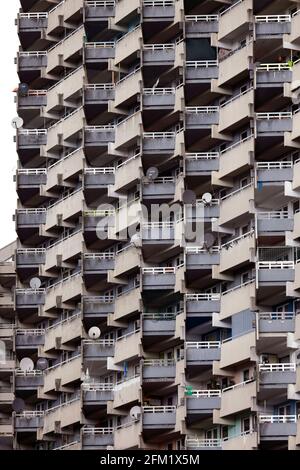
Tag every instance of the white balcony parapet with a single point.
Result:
(64, 321)
(205, 393)
(274, 165)
(277, 419)
(272, 215)
(92, 431)
(238, 287)
(223, 105)
(159, 362)
(101, 3)
(201, 63)
(62, 404)
(202, 156)
(97, 387)
(201, 109)
(99, 342)
(280, 367)
(32, 53)
(159, 270)
(273, 67)
(203, 297)
(159, 91)
(273, 18)
(226, 10)
(65, 157)
(272, 316)
(159, 47)
(276, 265)
(275, 115)
(203, 344)
(66, 38)
(227, 149)
(159, 135)
(195, 443)
(196, 250)
(99, 171)
(37, 16)
(239, 385)
(159, 409)
(67, 361)
(65, 279)
(100, 44)
(237, 191)
(32, 171)
(205, 18)
(64, 78)
(67, 116)
(67, 196)
(99, 86)
(30, 414)
(128, 334)
(234, 241)
(32, 131)
(30, 332)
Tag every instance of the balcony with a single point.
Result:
(274, 124)
(274, 173)
(98, 178)
(30, 257)
(33, 99)
(29, 338)
(268, 26)
(32, 22)
(31, 138)
(29, 421)
(238, 398)
(274, 222)
(99, 93)
(247, 440)
(129, 130)
(159, 98)
(61, 416)
(128, 46)
(238, 349)
(277, 426)
(202, 402)
(270, 273)
(236, 111)
(197, 164)
(128, 435)
(162, 188)
(159, 325)
(273, 74)
(295, 24)
(195, 443)
(235, 65)
(159, 55)
(198, 258)
(95, 264)
(62, 374)
(65, 90)
(158, 11)
(67, 52)
(98, 350)
(99, 52)
(127, 347)
(28, 380)
(159, 278)
(201, 117)
(235, 20)
(31, 61)
(128, 303)
(198, 211)
(276, 322)
(202, 304)
(236, 204)
(159, 417)
(279, 375)
(99, 10)
(28, 298)
(159, 370)
(159, 143)
(97, 438)
(202, 352)
(97, 394)
(127, 391)
(237, 252)
(201, 71)
(65, 332)
(237, 299)
(198, 26)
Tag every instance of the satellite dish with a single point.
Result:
(42, 363)
(18, 405)
(189, 197)
(136, 240)
(209, 240)
(207, 198)
(35, 283)
(152, 173)
(94, 332)
(26, 364)
(135, 412)
(17, 122)
(23, 89)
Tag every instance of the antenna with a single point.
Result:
(135, 412)
(17, 122)
(35, 283)
(207, 198)
(152, 173)
(94, 332)
(26, 364)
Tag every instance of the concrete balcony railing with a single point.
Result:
(97, 52)
(98, 219)
(95, 10)
(235, 64)
(247, 440)
(62, 13)
(127, 391)
(238, 398)
(61, 416)
(128, 172)
(96, 438)
(201, 70)
(63, 53)
(124, 9)
(159, 417)
(127, 259)
(128, 303)
(158, 370)
(234, 20)
(31, 138)
(29, 338)
(67, 129)
(276, 322)
(128, 87)
(197, 258)
(99, 93)
(274, 222)
(33, 99)
(236, 158)
(277, 426)
(31, 60)
(163, 187)
(157, 11)
(128, 435)
(196, 211)
(201, 117)
(159, 54)
(97, 394)
(31, 178)
(277, 374)
(29, 22)
(274, 172)
(65, 290)
(28, 257)
(159, 98)
(295, 24)
(98, 263)
(236, 204)
(199, 25)
(238, 349)
(66, 248)
(274, 123)
(199, 304)
(28, 380)
(159, 324)
(65, 331)
(159, 142)
(28, 298)
(65, 89)
(97, 306)
(201, 163)
(127, 347)
(98, 350)
(128, 46)
(28, 421)
(30, 218)
(159, 278)
(128, 131)
(99, 136)
(237, 252)
(97, 178)
(272, 25)
(271, 273)
(68, 166)
(195, 443)
(202, 401)
(202, 352)
(63, 373)
(270, 74)
(236, 111)
(237, 299)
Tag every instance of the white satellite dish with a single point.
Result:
(207, 198)
(94, 332)
(26, 364)
(152, 173)
(17, 122)
(35, 283)
(135, 412)
(136, 240)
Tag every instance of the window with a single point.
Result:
(243, 88)
(284, 410)
(246, 425)
(224, 432)
(246, 375)
(222, 147)
(245, 277)
(244, 135)
(243, 182)
(212, 434)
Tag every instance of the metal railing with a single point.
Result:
(239, 385)
(201, 63)
(32, 131)
(103, 3)
(202, 156)
(99, 171)
(158, 3)
(201, 109)
(104, 255)
(203, 344)
(32, 171)
(37, 16)
(105, 299)
(159, 409)
(274, 165)
(159, 362)
(89, 430)
(205, 18)
(30, 414)
(274, 115)
(32, 53)
(159, 47)
(205, 394)
(277, 419)
(273, 316)
(159, 270)
(98, 342)
(159, 135)
(196, 250)
(273, 18)
(159, 316)
(275, 265)
(97, 387)
(203, 297)
(273, 215)
(100, 44)
(30, 332)
(273, 67)
(195, 443)
(279, 367)
(159, 91)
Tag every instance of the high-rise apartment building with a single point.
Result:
(145, 120)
